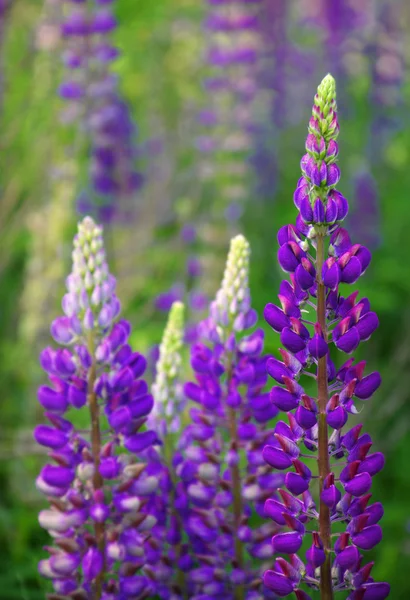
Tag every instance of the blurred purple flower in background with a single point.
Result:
(91, 91)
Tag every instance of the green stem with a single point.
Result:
(98, 482)
(326, 589)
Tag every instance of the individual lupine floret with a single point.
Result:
(319, 255)
(220, 468)
(97, 515)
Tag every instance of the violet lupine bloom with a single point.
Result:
(219, 465)
(96, 517)
(318, 255)
(91, 92)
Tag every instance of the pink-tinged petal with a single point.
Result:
(296, 484)
(275, 510)
(349, 341)
(283, 399)
(373, 464)
(275, 317)
(276, 458)
(292, 341)
(368, 538)
(367, 324)
(279, 584)
(376, 591)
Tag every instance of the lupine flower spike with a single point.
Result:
(166, 563)
(220, 466)
(319, 256)
(97, 518)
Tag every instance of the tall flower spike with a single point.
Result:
(97, 516)
(168, 554)
(319, 255)
(219, 467)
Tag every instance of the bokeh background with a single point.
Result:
(204, 115)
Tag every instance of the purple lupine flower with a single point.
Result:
(222, 477)
(97, 515)
(318, 255)
(91, 93)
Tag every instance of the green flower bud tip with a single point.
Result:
(169, 361)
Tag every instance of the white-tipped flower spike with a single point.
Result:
(168, 398)
(232, 302)
(94, 484)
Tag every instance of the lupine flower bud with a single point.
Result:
(98, 373)
(343, 322)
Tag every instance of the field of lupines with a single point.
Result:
(204, 299)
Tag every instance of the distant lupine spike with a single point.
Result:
(219, 467)
(319, 245)
(232, 53)
(97, 516)
(92, 96)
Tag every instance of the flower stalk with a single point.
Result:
(318, 255)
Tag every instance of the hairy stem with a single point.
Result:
(326, 590)
(98, 482)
